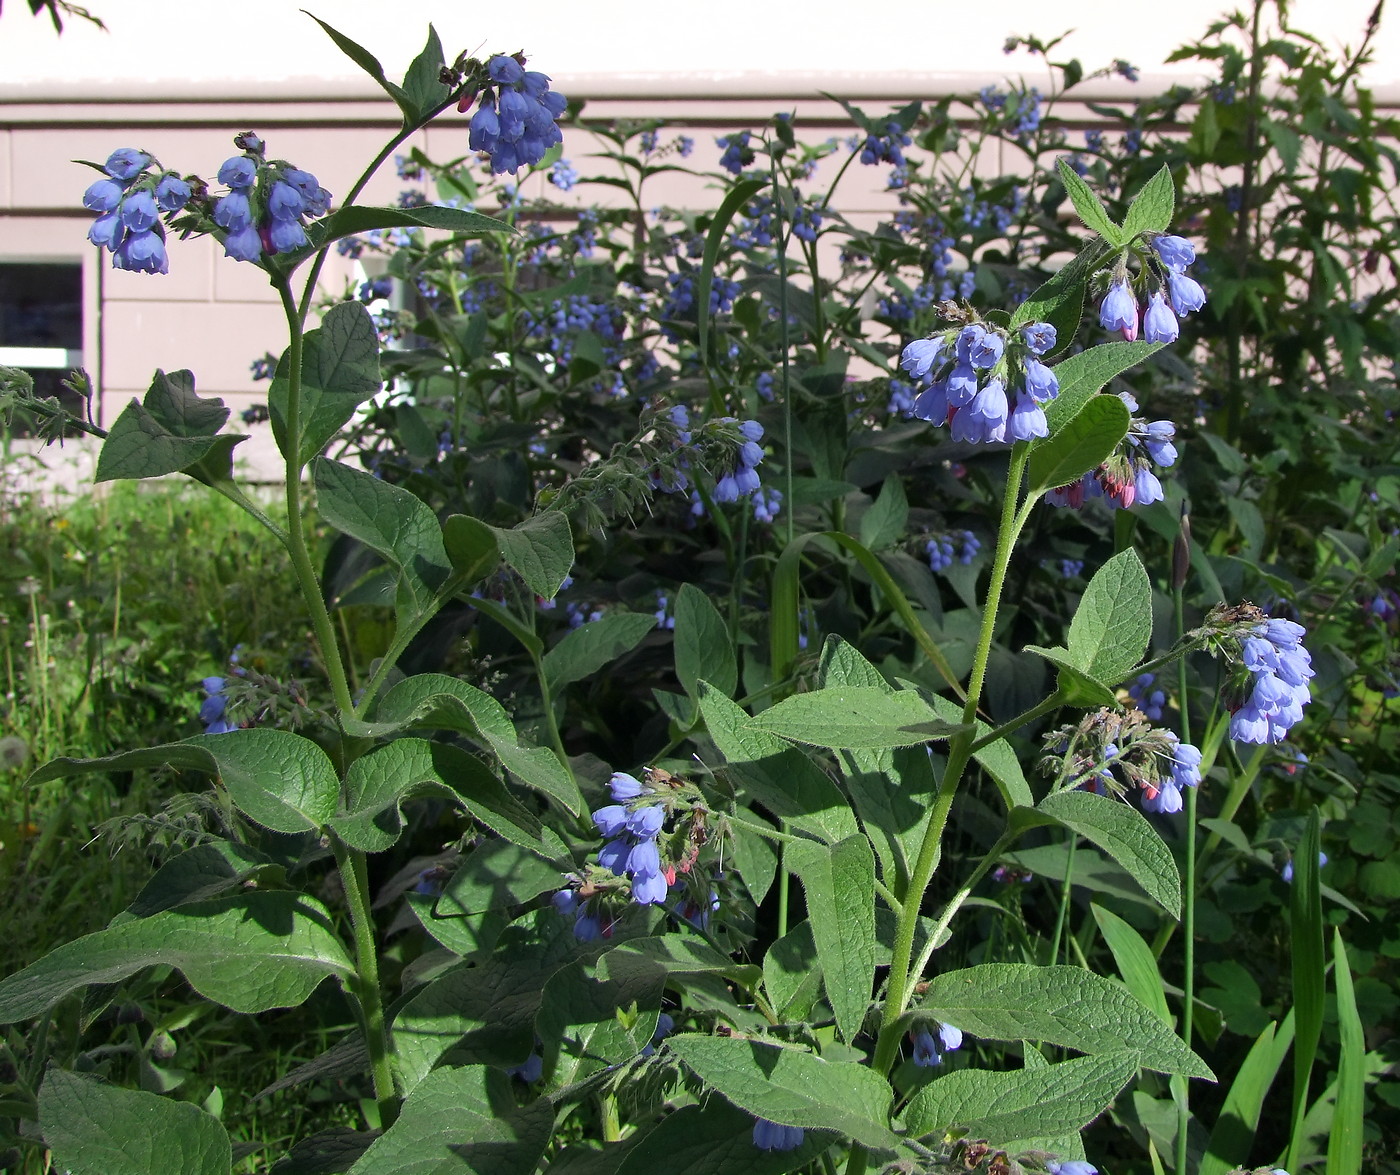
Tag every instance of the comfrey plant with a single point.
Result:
(600, 981)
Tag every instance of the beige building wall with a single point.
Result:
(170, 83)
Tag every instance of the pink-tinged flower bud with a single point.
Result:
(1119, 311)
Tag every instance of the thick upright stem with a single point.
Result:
(898, 989)
(296, 535)
(354, 878)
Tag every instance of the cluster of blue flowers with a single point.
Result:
(588, 922)
(773, 1136)
(665, 617)
(767, 504)
(737, 152)
(929, 1047)
(1280, 668)
(885, 147)
(632, 825)
(966, 374)
(266, 204)
(681, 299)
(129, 201)
(563, 175)
(1150, 700)
(213, 711)
(1184, 771)
(743, 481)
(1127, 478)
(1176, 295)
(955, 546)
(515, 121)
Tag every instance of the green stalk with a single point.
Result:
(296, 535)
(960, 752)
(355, 880)
(902, 972)
(1183, 1104)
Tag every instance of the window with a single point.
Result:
(41, 324)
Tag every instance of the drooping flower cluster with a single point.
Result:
(1110, 751)
(929, 1047)
(885, 147)
(743, 481)
(737, 152)
(1171, 294)
(129, 201)
(266, 206)
(955, 546)
(632, 825)
(984, 384)
(1280, 669)
(1150, 700)
(515, 120)
(213, 711)
(1129, 476)
(773, 1136)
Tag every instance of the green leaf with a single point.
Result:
(498, 873)
(1060, 300)
(1058, 1005)
(587, 648)
(778, 776)
(839, 884)
(1136, 962)
(377, 784)
(1349, 1118)
(471, 548)
(1113, 623)
(362, 218)
(422, 84)
(1087, 203)
(1014, 1109)
(279, 779)
(1075, 687)
(1153, 207)
(198, 874)
(1309, 972)
(1232, 1140)
(703, 649)
(855, 716)
(791, 975)
(98, 1129)
(711, 1139)
(791, 1087)
(438, 702)
(339, 372)
(739, 195)
(675, 955)
(171, 431)
(892, 789)
(249, 952)
(1126, 836)
(365, 60)
(1084, 375)
(390, 521)
(443, 1130)
(579, 1020)
(540, 550)
(885, 521)
(485, 1004)
(1080, 445)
